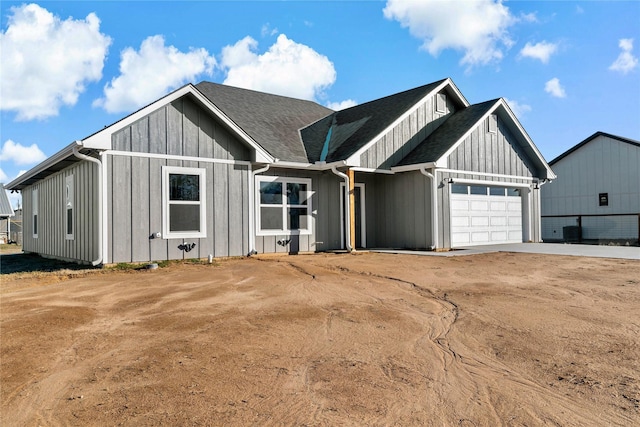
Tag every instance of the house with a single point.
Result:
(596, 197)
(216, 170)
(6, 212)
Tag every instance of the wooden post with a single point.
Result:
(352, 208)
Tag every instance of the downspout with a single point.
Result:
(434, 206)
(81, 156)
(252, 216)
(347, 217)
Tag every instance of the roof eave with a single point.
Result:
(446, 82)
(67, 151)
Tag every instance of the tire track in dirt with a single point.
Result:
(476, 378)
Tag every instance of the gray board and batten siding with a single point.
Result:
(52, 216)
(403, 138)
(325, 216)
(134, 187)
(486, 152)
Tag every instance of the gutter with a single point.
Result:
(434, 206)
(252, 208)
(347, 225)
(101, 227)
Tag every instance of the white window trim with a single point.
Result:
(166, 233)
(284, 181)
(35, 226)
(69, 205)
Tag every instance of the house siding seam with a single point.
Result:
(398, 142)
(51, 238)
(497, 153)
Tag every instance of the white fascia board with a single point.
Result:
(102, 140)
(47, 163)
(415, 167)
(499, 103)
(318, 166)
(355, 157)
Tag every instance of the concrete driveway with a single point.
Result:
(597, 251)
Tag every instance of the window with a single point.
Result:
(183, 202)
(492, 124)
(604, 199)
(69, 203)
(441, 103)
(284, 205)
(459, 189)
(496, 191)
(478, 189)
(34, 210)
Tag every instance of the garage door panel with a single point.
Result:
(479, 220)
(480, 237)
(479, 205)
(460, 205)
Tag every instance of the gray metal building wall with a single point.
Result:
(604, 165)
(51, 240)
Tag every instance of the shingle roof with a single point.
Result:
(591, 138)
(273, 121)
(449, 133)
(354, 127)
(5, 206)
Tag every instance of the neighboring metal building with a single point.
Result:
(596, 197)
(222, 171)
(6, 212)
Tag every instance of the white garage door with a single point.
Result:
(482, 215)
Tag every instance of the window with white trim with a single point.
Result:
(183, 202)
(68, 207)
(34, 212)
(284, 205)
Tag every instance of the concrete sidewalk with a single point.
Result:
(596, 251)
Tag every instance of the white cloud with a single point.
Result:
(287, 68)
(478, 27)
(3, 177)
(20, 154)
(518, 109)
(150, 73)
(554, 88)
(625, 62)
(541, 51)
(47, 62)
(337, 106)
(529, 17)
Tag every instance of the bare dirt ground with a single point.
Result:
(327, 339)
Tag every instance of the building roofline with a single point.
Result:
(591, 138)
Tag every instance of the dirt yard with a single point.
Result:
(368, 339)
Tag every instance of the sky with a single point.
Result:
(69, 68)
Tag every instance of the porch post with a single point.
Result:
(352, 207)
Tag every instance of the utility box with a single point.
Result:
(571, 233)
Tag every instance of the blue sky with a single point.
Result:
(568, 69)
